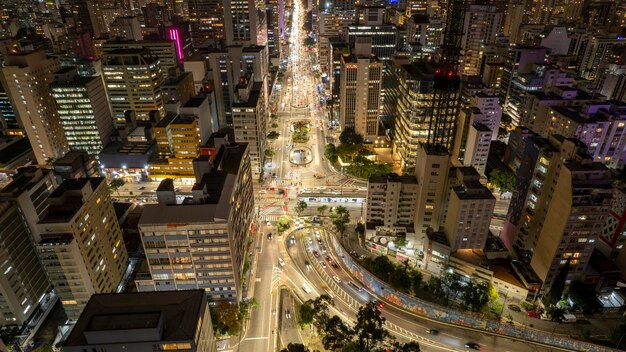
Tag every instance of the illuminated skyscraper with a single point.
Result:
(27, 79)
(133, 80)
(83, 109)
(245, 22)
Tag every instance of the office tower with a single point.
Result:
(431, 171)
(165, 50)
(338, 48)
(370, 24)
(520, 59)
(9, 123)
(129, 92)
(80, 242)
(75, 164)
(469, 211)
(211, 227)
(127, 27)
(144, 322)
(27, 78)
(250, 120)
(206, 23)
(482, 23)
(332, 26)
(418, 33)
(225, 68)
(360, 90)
(83, 109)
(542, 166)
(513, 20)
(23, 281)
(573, 222)
(391, 201)
(414, 96)
(274, 12)
(245, 22)
(178, 141)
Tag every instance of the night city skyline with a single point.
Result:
(310, 176)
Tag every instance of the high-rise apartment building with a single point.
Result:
(414, 82)
(513, 20)
(206, 23)
(391, 201)
(225, 68)
(130, 92)
(520, 59)
(469, 211)
(574, 220)
(482, 23)
(384, 37)
(431, 171)
(84, 110)
(484, 110)
(360, 92)
(477, 147)
(23, 281)
(245, 22)
(250, 120)
(80, 242)
(144, 322)
(178, 142)
(27, 77)
(200, 242)
(165, 50)
(9, 124)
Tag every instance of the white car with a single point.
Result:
(262, 191)
(317, 233)
(281, 262)
(337, 279)
(308, 231)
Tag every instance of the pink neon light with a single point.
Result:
(174, 35)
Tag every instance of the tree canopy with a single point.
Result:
(503, 179)
(340, 217)
(301, 207)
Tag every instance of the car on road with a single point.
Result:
(306, 288)
(533, 314)
(432, 331)
(355, 286)
(308, 231)
(281, 262)
(317, 233)
(310, 240)
(269, 236)
(262, 191)
(319, 240)
(378, 303)
(287, 314)
(337, 279)
(281, 191)
(329, 259)
(323, 248)
(141, 188)
(514, 308)
(307, 264)
(472, 345)
(323, 264)
(316, 254)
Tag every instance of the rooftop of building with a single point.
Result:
(392, 177)
(502, 270)
(177, 312)
(194, 102)
(128, 148)
(12, 147)
(473, 191)
(253, 97)
(481, 127)
(352, 58)
(474, 257)
(25, 179)
(65, 201)
(439, 237)
(229, 159)
(420, 70)
(174, 80)
(166, 121)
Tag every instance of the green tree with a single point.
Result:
(503, 179)
(555, 292)
(416, 281)
(583, 298)
(116, 184)
(269, 153)
(475, 295)
(273, 135)
(349, 136)
(340, 217)
(359, 228)
(322, 209)
(330, 152)
(295, 347)
(225, 318)
(307, 313)
(309, 41)
(411, 346)
(556, 314)
(273, 116)
(336, 334)
(282, 224)
(274, 125)
(301, 207)
(369, 329)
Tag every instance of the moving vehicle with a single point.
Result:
(569, 318)
(337, 279)
(514, 308)
(281, 262)
(432, 331)
(355, 286)
(306, 288)
(472, 345)
(307, 264)
(288, 314)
